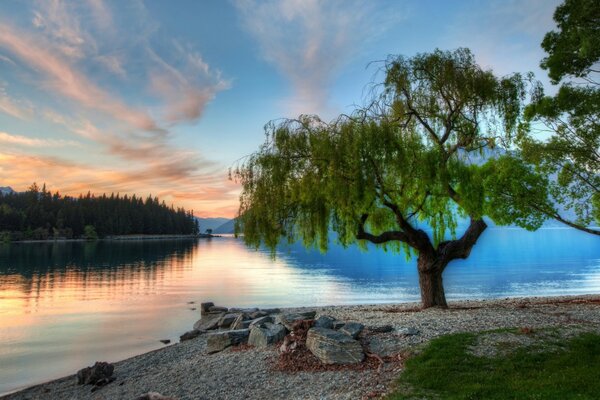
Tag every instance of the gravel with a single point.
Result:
(185, 371)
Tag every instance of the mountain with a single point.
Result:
(227, 227)
(211, 223)
(6, 190)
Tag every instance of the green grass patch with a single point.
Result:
(446, 370)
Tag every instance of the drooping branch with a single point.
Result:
(379, 239)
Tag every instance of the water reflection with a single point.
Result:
(74, 303)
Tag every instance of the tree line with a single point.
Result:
(38, 214)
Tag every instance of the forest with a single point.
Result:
(38, 214)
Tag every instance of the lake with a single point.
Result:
(65, 305)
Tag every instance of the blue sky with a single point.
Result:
(161, 97)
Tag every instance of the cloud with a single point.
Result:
(309, 41)
(186, 91)
(34, 142)
(16, 108)
(63, 78)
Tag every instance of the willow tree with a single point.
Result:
(400, 173)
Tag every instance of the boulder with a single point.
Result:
(352, 329)
(258, 314)
(338, 324)
(219, 341)
(271, 310)
(260, 321)
(165, 341)
(243, 310)
(98, 374)
(266, 334)
(218, 309)
(287, 319)
(190, 335)
(208, 321)
(205, 307)
(324, 321)
(227, 320)
(241, 322)
(333, 347)
(381, 328)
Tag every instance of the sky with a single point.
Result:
(161, 98)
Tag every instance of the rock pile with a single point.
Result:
(330, 340)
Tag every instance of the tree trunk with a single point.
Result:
(430, 282)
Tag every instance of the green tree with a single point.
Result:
(400, 173)
(570, 120)
(89, 232)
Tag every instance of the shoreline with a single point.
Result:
(120, 238)
(184, 368)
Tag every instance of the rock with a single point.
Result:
(260, 321)
(165, 341)
(190, 335)
(193, 308)
(324, 321)
(258, 314)
(241, 322)
(381, 328)
(386, 347)
(205, 307)
(408, 331)
(271, 310)
(208, 321)
(98, 374)
(288, 319)
(268, 333)
(219, 341)
(338, 324)
(333, 347)
(154, 396)
(352, 329)
(243, 310)
(217, 309)
(227, 320)
(192, 302)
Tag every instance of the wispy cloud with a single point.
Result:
(17, 108)
(309, 41)
(8, 138)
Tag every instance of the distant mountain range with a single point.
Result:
(6, 190)
(218, 225)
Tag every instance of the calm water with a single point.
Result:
(64, 306)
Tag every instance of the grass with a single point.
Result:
(446, 370)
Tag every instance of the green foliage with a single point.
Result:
(575, 49)
(89, 232)
(446, 370)
(572, 151)
(411, 158)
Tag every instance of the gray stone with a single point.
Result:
(386, 347)
(217, 309)
(190, 335)
(219, 341)
(165, 341)
(98, 374)
(205, 307)
(208, 321)
(288, 319)
(333, 347)
(154, 396)
(271, 310)
(324, 321)
(262, 336)
(408, 331)
(243, 310)
(260, 321)
(338, 324)
(227, 320)
(241, 322)
(258, 314)
(381, 328)
(352, 329)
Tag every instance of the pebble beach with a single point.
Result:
(185, 371)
